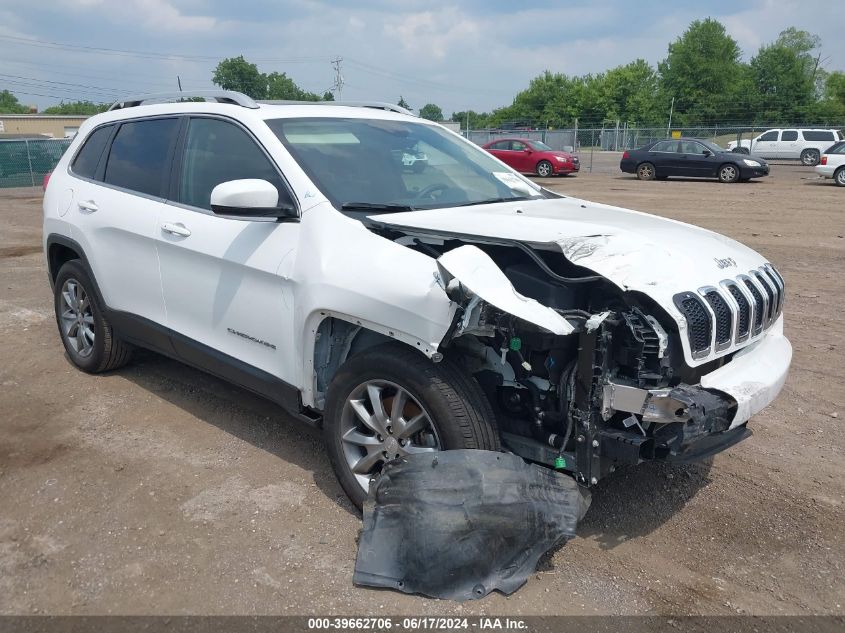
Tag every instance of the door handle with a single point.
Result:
(87, 205)
(176, 229)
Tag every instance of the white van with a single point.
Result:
(807, 145)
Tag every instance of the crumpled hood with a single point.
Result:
(636, 251)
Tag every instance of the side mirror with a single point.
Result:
(707, 152)
(249, 198)
(527, 150)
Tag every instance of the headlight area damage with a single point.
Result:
(583, 377)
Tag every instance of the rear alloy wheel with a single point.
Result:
(728, 173)
(646, 171)
(86, 333)
(839, 177)
(810, 157)
(391, 401)
(544, 169)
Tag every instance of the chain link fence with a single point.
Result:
(25, 162)
(622, 136)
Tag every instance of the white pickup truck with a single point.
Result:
(806, 145)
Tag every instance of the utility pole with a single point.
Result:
(179, 82)
(338, 78)
(671, 111)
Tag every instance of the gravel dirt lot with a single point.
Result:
(160, 490)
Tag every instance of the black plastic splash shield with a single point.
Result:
(460, 524)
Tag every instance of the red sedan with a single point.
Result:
(533, 157)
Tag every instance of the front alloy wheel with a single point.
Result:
(544, 169)
(382, 421)
(729, 173)
(390, 401)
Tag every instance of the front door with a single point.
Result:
(696, 159)
(766, 145)
(219, 275)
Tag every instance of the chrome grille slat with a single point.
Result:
(739, 310)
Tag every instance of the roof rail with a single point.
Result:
(220, 96)
(378, 105)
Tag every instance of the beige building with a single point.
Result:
(40, 125)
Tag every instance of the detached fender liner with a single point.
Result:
(460, 524)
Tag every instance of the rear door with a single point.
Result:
(789, 146)
(116, 209)
(219, 275)
(664, 156)
(499, 149)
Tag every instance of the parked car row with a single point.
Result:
(806, 145)
(832, 163)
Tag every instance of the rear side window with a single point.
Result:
(769, 136)
(217, 151)
(665, 146)
(810, 135)
(500, 145)
(139, 155)
(86, 161)
(790, 135)
(839, 148)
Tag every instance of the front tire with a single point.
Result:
(391, 401)
(810, 157)
(646, 171)
(544, 169)
(88, 337)
(839, 177)
(728, 173)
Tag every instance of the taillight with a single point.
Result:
(824, 160)
(46, 181)
(625, 155)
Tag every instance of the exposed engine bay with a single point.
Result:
(582, 376)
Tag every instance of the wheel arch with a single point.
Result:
(61, 249)
(337, 339)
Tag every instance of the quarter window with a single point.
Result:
(790, 135)
(139, 154)
(812, 135)
(86, 161)
(217, 151)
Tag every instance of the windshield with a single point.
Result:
(540, 146)
(396, 165)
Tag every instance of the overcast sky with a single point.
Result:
(473, 54)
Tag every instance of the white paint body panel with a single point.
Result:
(755, 375)
(479, 273)
(636, 251)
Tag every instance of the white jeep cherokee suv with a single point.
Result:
(806, 145)
(286, 249)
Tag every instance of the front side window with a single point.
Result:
(517, 146)
(789, 135)
(357, 163)
(139, 155)
(769, 136)
(86, 161)
(691, 147)
(217, 151)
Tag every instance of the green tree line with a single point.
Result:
(703, 81)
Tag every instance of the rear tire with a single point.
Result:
(839, 177)
(456, 413)
(646, 171)
(88, 337)
(544, 169)
(728, 173)
(810, 157)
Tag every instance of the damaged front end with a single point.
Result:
(583, 377)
